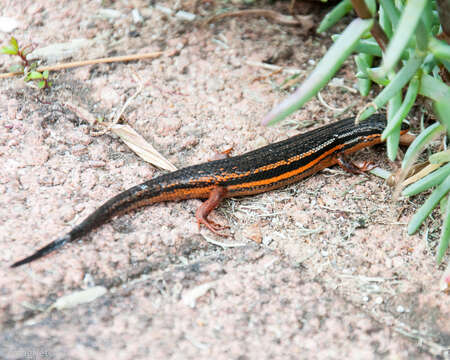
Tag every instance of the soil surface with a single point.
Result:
(321, 270)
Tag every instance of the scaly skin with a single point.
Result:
(268, 168)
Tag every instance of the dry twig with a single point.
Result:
(276, 17)
(92, 62)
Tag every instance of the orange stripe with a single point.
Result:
(312, 163)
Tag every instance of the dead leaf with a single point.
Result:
(141, 147)
(190, 297)
(253, 232)
(78, 298)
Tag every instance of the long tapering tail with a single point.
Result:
(162, 188)
(43, 251)
(121, 203)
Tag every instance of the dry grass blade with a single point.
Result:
(305, 21)
(421, 174)
(141, 147)
(271, 67)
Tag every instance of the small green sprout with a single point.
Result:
(14, 49)
(25, 67)
(41, 76)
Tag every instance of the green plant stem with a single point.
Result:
(397, 83)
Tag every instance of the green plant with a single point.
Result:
(41, 76)
(406, 36)
(14, 49)
(25, 67)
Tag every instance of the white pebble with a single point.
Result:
(164, 9)
(109, 13)
(184, 15)
(137, 17)
(8, 24)
(379, 300)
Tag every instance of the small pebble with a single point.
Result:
(267, 240)
(88, 280)
(379, 300)
(400, 309)
(8, 24)
(137, 17)
(110, 13)
(184, 15)
(95, 164)
(164, 10)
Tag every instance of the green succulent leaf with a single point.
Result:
(445, 235)
(363, 62)
(371, 5)
(391, 12)
(409, 19)
(366, 46)
(397, 83)
(385, 23)
(394, 139)
(428, 206)
(427, 182)
(337, 13)
(324, 71)
(440, 157)
(422, 140)
(404, 109)
(439, 48)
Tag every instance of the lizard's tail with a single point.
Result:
(120, 203)
(166, 187)
(44, 251)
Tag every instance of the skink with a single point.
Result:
(268, 168)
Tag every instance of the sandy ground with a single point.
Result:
(334, 276)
